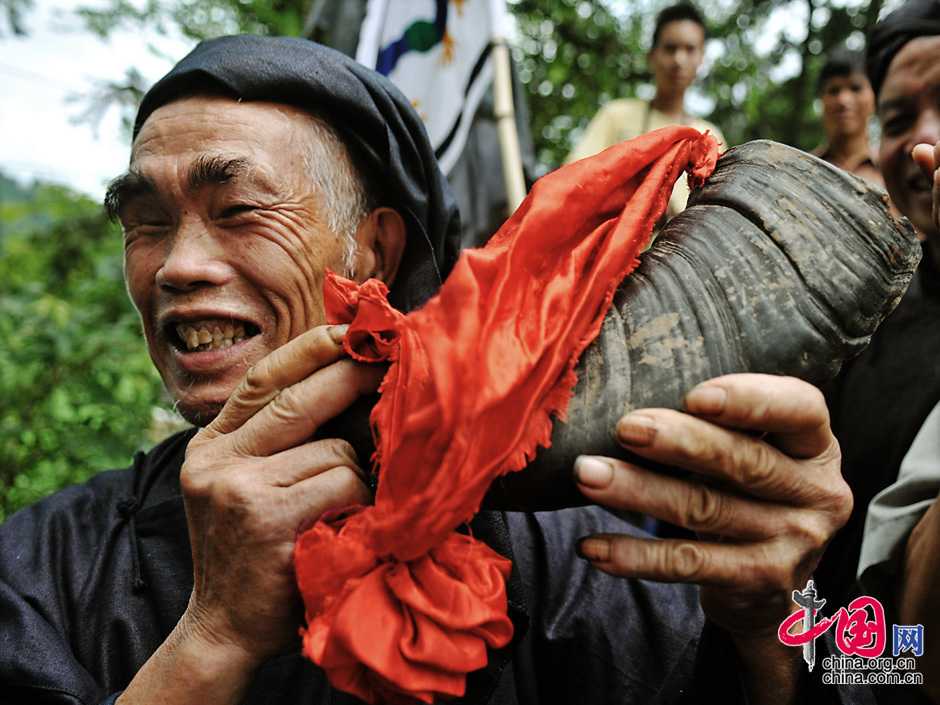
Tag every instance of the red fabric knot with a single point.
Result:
(399, 607)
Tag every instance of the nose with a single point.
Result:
(194, 259)
(927, 127)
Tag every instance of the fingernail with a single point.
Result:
(636, 430)
(337, 333)
(593, 472)
(706, 399)
(594, 549)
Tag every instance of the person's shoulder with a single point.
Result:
(623, 108)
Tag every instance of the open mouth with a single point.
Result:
(209, 334)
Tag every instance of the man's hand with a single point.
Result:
(764, 493)
(251, 479)
(927, 157)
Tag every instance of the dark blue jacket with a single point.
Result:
(94, 578)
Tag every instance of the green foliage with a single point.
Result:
(78, 386)
(198, 19)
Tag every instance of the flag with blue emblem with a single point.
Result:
(436, 52)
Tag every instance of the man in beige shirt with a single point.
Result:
(674, 59)
(848, 102)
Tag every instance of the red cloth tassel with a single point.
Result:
(399, 606)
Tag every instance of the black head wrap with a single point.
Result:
(378, 124)
(915, 18)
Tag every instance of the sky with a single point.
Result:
(40, 78)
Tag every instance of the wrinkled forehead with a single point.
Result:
(197, 123)
(913, 71)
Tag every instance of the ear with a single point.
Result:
(380, 240)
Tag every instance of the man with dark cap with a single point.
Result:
(257, 164)
(884, 396)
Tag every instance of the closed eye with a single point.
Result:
(237, 210)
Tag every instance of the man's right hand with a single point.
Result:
(927, 157)
(251, 479)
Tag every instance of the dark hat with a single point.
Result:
(915, 18)
(374, 119)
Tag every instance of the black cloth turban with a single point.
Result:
(915, 18)
(375, 120)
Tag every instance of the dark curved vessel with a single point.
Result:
(781, 264)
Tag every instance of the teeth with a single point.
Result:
(210, 335)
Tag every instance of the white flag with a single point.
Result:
(437, 53)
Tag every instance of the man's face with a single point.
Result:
(909, 110)
(677, 56)
(225, 243)
(847, 104)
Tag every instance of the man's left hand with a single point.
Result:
(764, 493)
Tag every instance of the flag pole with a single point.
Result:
(505, 112)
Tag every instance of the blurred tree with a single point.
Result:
(13, 16)
(72, 359)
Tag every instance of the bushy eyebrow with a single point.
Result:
(215, 169)
(125, 188)
(206, 169)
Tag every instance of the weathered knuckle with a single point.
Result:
(754, 463)
(844, 503)
(836, 496)
(234, 490)
(757, 411)
(686, 561)
(343, 450)
(695, 449)
(194, 484)
(621, 554)
(257, 380)
(705, 510)
(815, 532)
(351, 486)
(286, 406)
(814, 405)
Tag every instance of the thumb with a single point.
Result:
(923, 155)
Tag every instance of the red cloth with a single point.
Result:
(400, 607)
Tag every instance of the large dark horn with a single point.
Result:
(781, 264)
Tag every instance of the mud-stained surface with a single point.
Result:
(663, 325)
